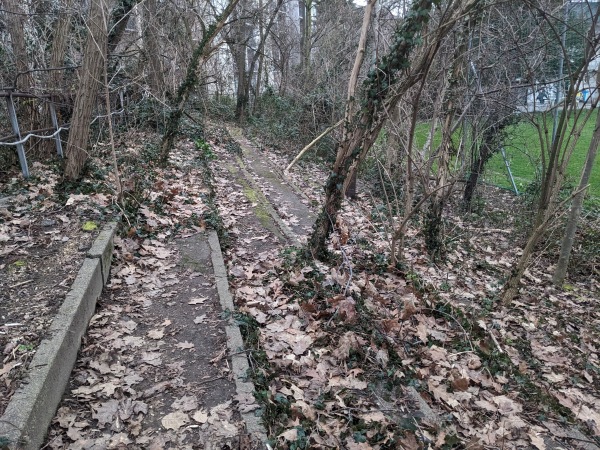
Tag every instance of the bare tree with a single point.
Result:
(201, 52)
(578, 197)
(386, 83)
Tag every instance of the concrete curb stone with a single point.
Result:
(235, 343)
(31, 409)
(103, 247)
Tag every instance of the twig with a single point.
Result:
(495, 341)
(20, 284)
(312, 143)
(210, 380)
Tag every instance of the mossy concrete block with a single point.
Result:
(30, 411)
(102, 248)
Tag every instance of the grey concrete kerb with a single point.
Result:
(31, 409)
(235, 343)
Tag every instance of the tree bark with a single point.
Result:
(59, 46)
(156, 79)
(577, 205)
(15, 21)
(491, 141)
(379, 97)
(91, 72)
(351, 100)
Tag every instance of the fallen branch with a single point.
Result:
(312, 144)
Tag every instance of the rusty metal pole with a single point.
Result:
(15, 126)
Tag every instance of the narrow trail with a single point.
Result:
(160, 368)
(162, 365)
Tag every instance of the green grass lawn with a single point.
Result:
(523, 154)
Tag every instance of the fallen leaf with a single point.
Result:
(157, 333)
(184, 345)
(175, 420)
(200, 416)
(200, 319)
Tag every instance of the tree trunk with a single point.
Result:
(491, 141)
(29, 118)
(259, 51)
(91, 71)
(59, 47)
(118, 20)
(156, 79)
(350, 190)
(577, 205)
(201, 51)
(378, 97)
(433, 226)
(15, 22)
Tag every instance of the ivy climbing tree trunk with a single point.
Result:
(383, 88)
(87, 92)
(190, 82)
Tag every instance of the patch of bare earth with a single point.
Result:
(42, 246)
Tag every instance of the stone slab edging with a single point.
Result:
(31, 409)
(235, 343)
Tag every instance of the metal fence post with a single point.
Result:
(15, 126)
(57, 140)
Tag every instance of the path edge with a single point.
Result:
(27, 417)
(235, 344)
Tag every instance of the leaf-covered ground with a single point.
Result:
(45, 231)
(359, 355)
(349, 354)
(153, 371)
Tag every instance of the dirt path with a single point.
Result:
(289, 201)
(155, 370)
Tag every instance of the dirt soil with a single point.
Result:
(154, 370)
(43, 242)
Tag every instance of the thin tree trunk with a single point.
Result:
(261, 57)
(191, 80)
(379, 97)
(577, 205)
(351, 100)
(93, 63)
(259, 51)
(111, 134)
(156, 79)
